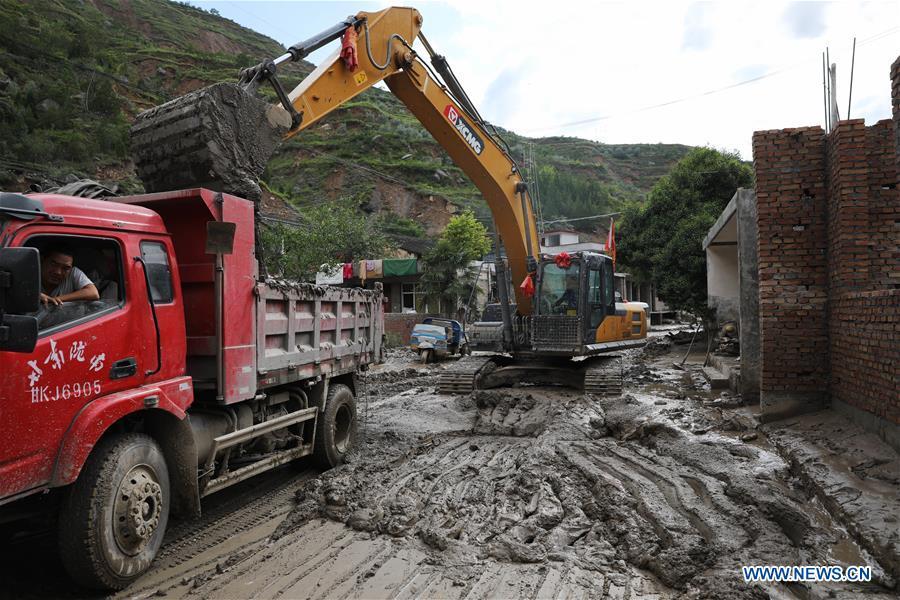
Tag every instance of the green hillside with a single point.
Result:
(73, 75)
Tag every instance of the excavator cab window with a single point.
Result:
(607, 279)
(596, 300)
(559, 289)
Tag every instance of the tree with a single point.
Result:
(447, 277)
(569, 195)
(663, 240)
(331, 234)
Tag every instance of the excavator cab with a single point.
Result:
(572, 299)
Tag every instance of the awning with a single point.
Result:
(399, 267)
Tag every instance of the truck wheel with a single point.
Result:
(113, 518)
(336, 429)
(427, 356)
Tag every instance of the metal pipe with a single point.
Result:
(306, 47)
(220, 337)
(825, 93)
(831, 121)
(155, 319)
(502, 292)
(286, 57)
(522, 188)
(852, 64)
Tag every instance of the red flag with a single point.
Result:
(611, 242)
(527, 286)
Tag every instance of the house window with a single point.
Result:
(408, 292)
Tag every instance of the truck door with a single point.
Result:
(85, 350)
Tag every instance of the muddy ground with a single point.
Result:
(661, 493)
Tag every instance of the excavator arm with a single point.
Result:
(384, 53)
(223, 136)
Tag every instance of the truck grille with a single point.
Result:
(559, 333)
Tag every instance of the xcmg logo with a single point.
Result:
(464, 129)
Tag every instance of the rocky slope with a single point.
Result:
(74, 74)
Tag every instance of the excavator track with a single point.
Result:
(604, 377)
(462, 377)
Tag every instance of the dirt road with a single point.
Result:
(527, 492)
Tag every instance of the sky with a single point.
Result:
(701, 73)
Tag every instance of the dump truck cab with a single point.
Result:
(106, 348)
(190, 373)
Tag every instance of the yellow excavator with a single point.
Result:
(566, 314)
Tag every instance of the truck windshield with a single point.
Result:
(559, 289)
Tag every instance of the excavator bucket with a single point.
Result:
(220, 137)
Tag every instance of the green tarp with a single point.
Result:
(399, 267)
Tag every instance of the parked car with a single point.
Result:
(435, 338)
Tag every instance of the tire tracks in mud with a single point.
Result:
(226, 521)
(574, 508)
(238, 513)
(543, 479)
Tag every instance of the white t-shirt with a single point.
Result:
(74, 281)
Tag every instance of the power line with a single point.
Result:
(581, 218)
(238, 6)
(870, 39)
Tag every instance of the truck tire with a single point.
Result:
(113, 518)
(336, 429)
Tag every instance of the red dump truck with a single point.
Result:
(188, 374)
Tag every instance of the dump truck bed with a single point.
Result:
(304, 330)
(273, 331)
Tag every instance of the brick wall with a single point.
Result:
(895, 104)
(884, 211)
(401, 325)
(865, 329)
(829, 264)
(848, 207)
(793, 286)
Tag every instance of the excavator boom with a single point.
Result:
(192, 140)
(385, 53)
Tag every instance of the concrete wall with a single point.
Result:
(748, 284)
(733, 282)
(722, 284)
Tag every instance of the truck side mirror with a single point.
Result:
(20, 292)
(18, 333)
(20, 280)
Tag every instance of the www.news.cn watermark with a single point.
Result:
(806, 573)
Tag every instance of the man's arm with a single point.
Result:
(85, 289)
(85, 294)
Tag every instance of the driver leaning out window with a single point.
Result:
(62, 281)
